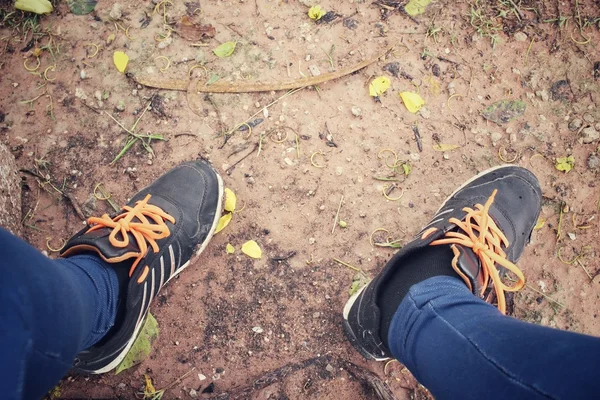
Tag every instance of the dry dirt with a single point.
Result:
(207, 315)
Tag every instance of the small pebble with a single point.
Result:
(356, 111)
(311, 240)
(588, 118)
(329, 368)
(520, 37)
(575, 124)
(82, 74)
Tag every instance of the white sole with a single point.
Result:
(113, 364)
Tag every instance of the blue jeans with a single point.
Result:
(50, 310)
(460, 347)
(455, 344)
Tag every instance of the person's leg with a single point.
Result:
(460, 347)
(58, 313)
(50, 310)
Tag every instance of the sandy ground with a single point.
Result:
(207, 315)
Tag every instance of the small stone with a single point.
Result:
(314, 70)
(356, 111)
(425, 113)
(362, 215)
(588, 118)
(339, 171)
(121, 385)
(589, 135)
(257, 329)
(163, 44)
(177, 343)
(116, 12)
(193, 393)
(288, 161)
(543, 94)
(82, 74)
(80, 94)
(257, 104)
(322, 207)
(15, 84)
(329, 368)
(202, 377)
(575, 124)
(571, 235)
(513, 138)
(316, 314)
(597, 126)
(120, 106)
(98, 95)
(446, 156)
(593, 161)
(312, 240)
(520, 37)
(415, 156)
(496, 137)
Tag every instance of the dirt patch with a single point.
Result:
(461, 58)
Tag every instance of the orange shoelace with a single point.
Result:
(144, 231)
(481, 234)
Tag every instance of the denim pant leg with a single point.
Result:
(460, 347)
(50, 310)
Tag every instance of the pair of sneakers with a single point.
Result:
(486, 222)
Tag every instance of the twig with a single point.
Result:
(65, 195)
(230, 169)
(337, 214)
(193, 87)
(415, 129)
(284, 258)
(90, 107)
(544, 295)
(352, 267)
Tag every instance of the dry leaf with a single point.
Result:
(223, 222)
(230, 200)
(316, 12)
(416, 7)
(378, 86)
(34, 6)
(193, 31)
(121, 60)
(445, 147)
(252, 249)
(540, 223)
(229, 249)
(225, 50)
(412, 101)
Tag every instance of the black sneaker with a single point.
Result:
(156, 237)
(504, 202)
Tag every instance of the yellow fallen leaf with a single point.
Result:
(230, 200)
(412, 101)
(149, 390)
(445, 147)
(540, 223)
(223, 222)
(416, 7)
(378, 86)
(225, 50)
(252, 249)
(565, 163)
(316, 12)
(229, 249)
(34, 6)
(121, 59)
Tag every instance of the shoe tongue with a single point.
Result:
(98, 241)
(470, 265)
